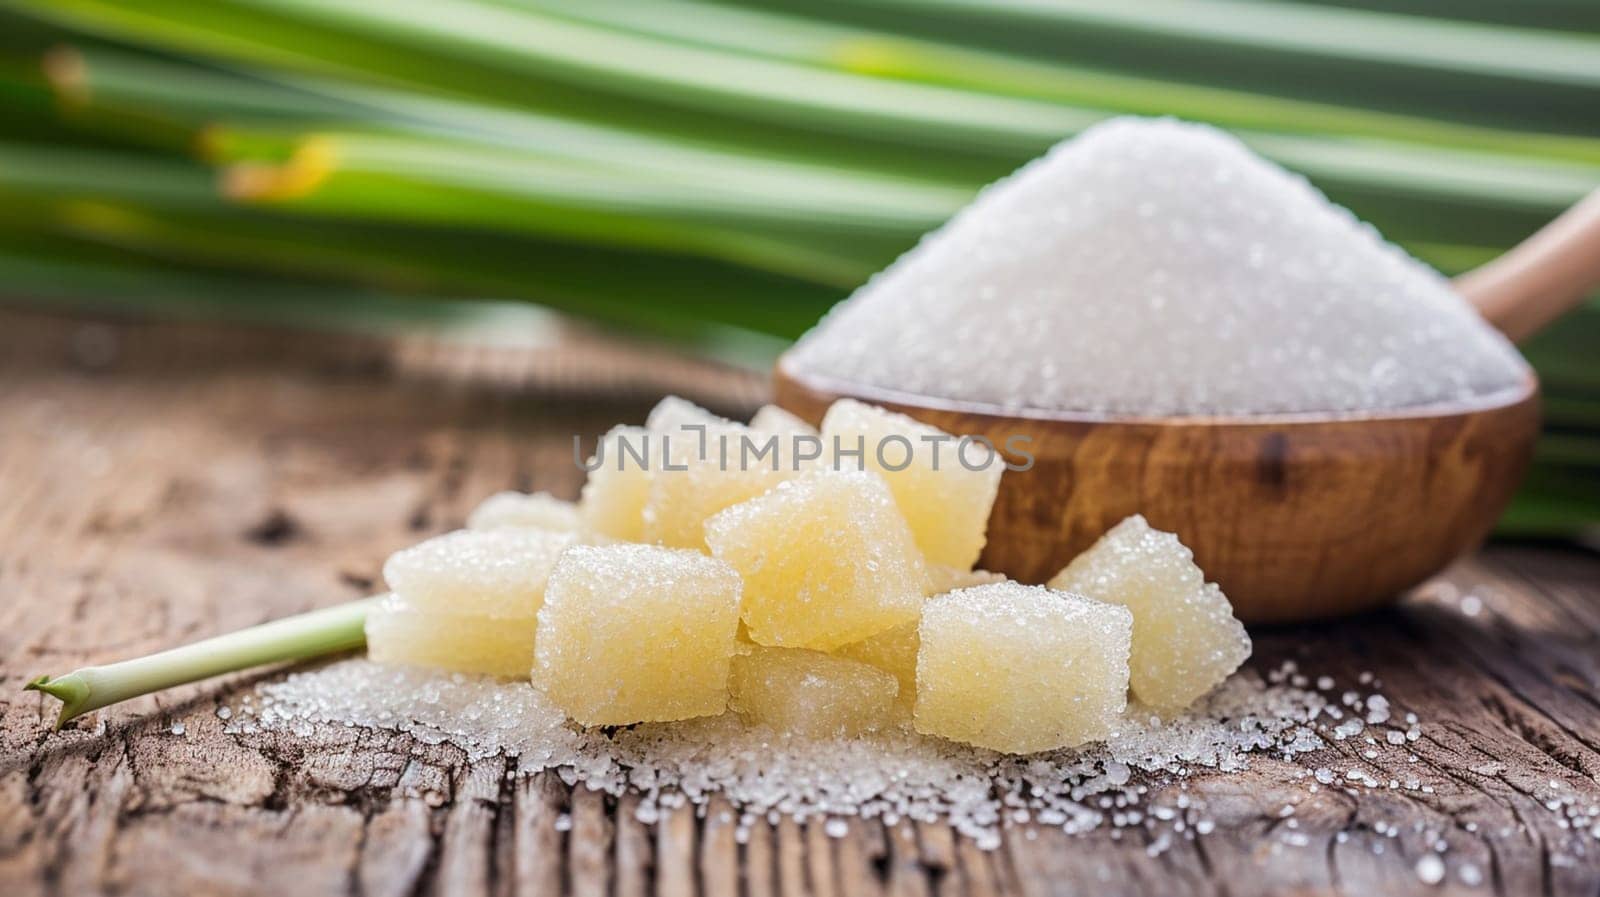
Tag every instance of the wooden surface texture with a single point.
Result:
(160, 483)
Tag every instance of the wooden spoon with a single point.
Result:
(1296, 516)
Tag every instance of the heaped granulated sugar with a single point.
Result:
(893, 774)
(1157, 267)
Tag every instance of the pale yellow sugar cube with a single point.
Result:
(613, 499)
(948, 508)
(672, 414)
(712, 464)
(637, 633)
(810, 693)
(943, 579)
(797, 444)
(517, 510)
(1020, 669)
(398, 633)
(826, 558)
(895, 652)
(696, 486)
(1185, 637)
(490, 573)
(772, 419)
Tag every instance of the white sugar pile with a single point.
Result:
(896, 775)
(1158, 267)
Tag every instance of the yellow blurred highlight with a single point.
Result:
(865, 56)
(313, 161)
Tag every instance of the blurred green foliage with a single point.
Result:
(690, 169)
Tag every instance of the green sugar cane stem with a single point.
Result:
(326, 631)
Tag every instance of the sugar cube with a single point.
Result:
(772, 419)
(710, 471)
(399, 633)
(798, 445)
(672, 414)
(1020, 668)
(895, 652)
(1185, 637)
(943, 579)
(946, 502)
(614, 495)
(491, 573)
(826, 559)
(810, 693)
(541, 510)
(637, 633)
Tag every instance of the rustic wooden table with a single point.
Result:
(159, 483)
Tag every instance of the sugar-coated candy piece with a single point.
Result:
(826, 559)
(895, 652)
(712, 464)
(673, 413)
(541, 510)
(797, 444)
(637, 633)
(948, 507)
(772, 419)
(710, 470)
(612, 503)
(398, 633)
(491, 573)
(943, 579)
(1020, 669)
(810, 693)
(1185, 637)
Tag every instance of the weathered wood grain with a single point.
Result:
(159, 483)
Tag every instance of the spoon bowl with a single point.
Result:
(1296, 516)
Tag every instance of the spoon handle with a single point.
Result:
(1541, 278)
